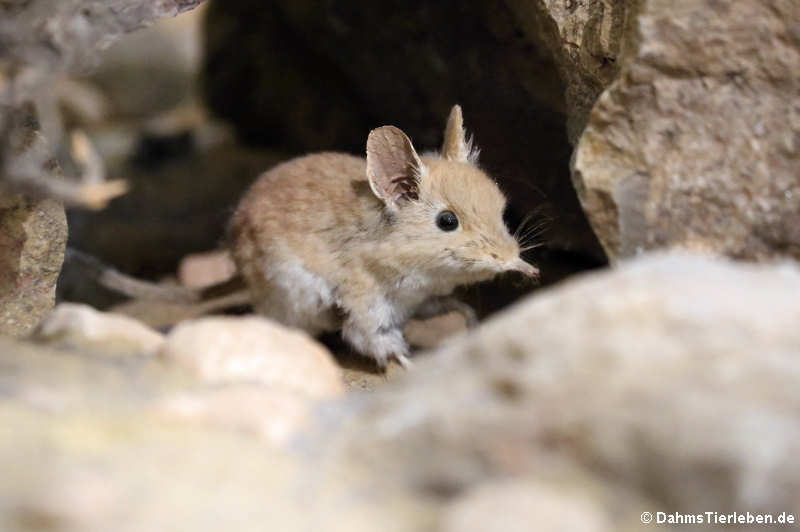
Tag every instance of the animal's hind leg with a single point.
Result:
(298, 298)
(372, 329)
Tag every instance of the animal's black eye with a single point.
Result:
(447, 221)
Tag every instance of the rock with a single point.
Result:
(503, 61)
(270, 413)
(41, 42)
(153, 69)
(578, 409)
(68, 34)
(199, 270)
(84, 328)
(86, 445)
(671, 379)
(696, 144)
(253, 349)
(585, 40)
(33, 236)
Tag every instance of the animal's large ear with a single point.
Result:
(394, 169)
(456, 146)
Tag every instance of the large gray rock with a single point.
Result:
(697, 144)
(33, 235)
(673, 378)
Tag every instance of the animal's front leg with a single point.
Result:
(436, 306)
(373, 330)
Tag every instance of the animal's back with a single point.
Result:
(290, 233)
(303, 196)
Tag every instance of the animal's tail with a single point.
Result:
(117, 281)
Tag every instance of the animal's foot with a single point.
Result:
(403, 360)
(382, 346)
(401, 357)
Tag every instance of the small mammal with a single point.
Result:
(331, 241)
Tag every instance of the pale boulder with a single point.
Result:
(672, 378)
(199, 270)
(272, 414)
(253, 349)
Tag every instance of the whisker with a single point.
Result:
(531, 247)
(535, 227)
(533, 231)
(523, 223)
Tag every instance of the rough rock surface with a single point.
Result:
(253, 349)
(674, 377)
(585, 38)
(629, 397)
(33, 235)
(697, 144)
(311, 76)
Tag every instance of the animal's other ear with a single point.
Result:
(456, 147)
(394, 169)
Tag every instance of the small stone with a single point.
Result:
(82, 327)
(254, 349)
(200, 270)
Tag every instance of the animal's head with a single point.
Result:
(449, 212)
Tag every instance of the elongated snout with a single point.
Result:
(519, 265)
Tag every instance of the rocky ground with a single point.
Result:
(578, 409)
(665, 382)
